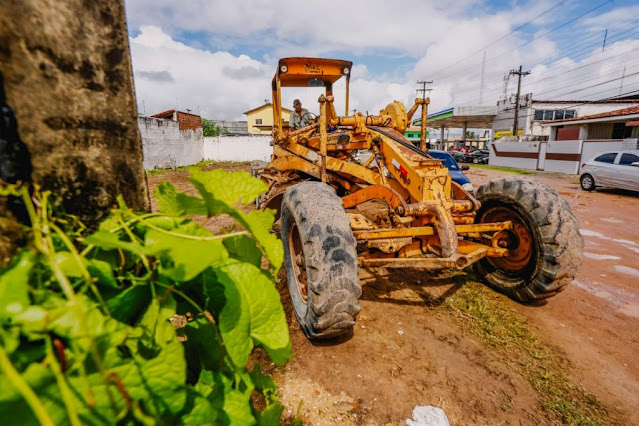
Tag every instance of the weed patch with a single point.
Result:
(483, 312)
(504, 169)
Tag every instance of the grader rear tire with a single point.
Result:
(321, 260)
(545, 244)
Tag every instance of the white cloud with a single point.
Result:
(224, 85)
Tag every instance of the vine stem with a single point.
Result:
(119, 228)
(64, 387)
(85, 271)
(24, 389)
(182, 295)
(193, 237)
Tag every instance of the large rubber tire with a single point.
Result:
(587, 182)
(546, 243)
(314, 223)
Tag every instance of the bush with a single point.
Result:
(85, 331)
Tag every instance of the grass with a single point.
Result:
(201, 164)
(504, 169)
(484, 313)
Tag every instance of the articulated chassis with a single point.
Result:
(430, 220)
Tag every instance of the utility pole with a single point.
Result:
(422, 134)
(519, 74)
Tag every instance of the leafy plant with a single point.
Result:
(209, 128)
(84, 319)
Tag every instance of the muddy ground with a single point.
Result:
(443, 340)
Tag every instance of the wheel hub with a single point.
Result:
(518, 240)
(298, 261)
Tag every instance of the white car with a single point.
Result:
(617, 169)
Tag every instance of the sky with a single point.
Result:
(218, 57)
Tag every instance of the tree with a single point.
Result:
(210, 128)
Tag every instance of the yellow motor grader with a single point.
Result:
(519, 236)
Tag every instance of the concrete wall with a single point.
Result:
(68, 80)
(166, 146)
(554, 156)
(238, 148)
(521, 155)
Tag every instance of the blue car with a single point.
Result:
(454, 169)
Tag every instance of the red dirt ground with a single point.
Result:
(406, 352)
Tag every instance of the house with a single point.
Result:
(533, 113)
(186, 120)
(260, 119)
(616, 125)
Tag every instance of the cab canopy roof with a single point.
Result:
(310, 72)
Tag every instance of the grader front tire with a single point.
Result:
(321, 260)
(545, 244)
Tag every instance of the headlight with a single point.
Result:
(345, 70)
(283, 68)
(468, 187)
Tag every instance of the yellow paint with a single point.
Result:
(502, 133)
(264, 113)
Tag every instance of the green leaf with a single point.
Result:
(264, 384)
(222, 191)
(271, 415)
(128, 305)
(175, 203)
(110, 241)
(69, 265)
(253, 314)
(243, 248)
(182, 259)
(14, 296)
(236, 405)
(204, 340)
(229, 188)
(102, 272)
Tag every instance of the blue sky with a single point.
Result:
(219, 56)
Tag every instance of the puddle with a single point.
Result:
(611, 220)
(625, 302)
(600, 256)
(627, 270)
(588, 233)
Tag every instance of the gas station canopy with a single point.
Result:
(471, 117)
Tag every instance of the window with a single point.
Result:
(551, 114)
(628, 159)
(258, 121)
(621, 131)
(607, 158)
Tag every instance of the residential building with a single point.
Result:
(533, 112)
(260, 119)
(185, 120)
(616, 125)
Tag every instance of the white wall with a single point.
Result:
(238, 148)
(164, 145)
(562, 147)
(508, 152)
(592, 148)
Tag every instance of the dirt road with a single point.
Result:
(444, 340)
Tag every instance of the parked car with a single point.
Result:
(454, 169)
(477, 156)
(617, 169)
(458, 155)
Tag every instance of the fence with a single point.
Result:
(238, 148)
(553, 156)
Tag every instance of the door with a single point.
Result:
(627, 175)
(603, 168)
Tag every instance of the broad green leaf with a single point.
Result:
(271, 415)
(264, 384)
(182, 259)
(129, 305)
(175, 203)
(110, 241)
(102, 273)
(204, 340)
(222, 191)
(68, 264)
(229, 188)
(236, 405)
(14, 296)
(199, 410)
(243, 248)
(252, 314)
